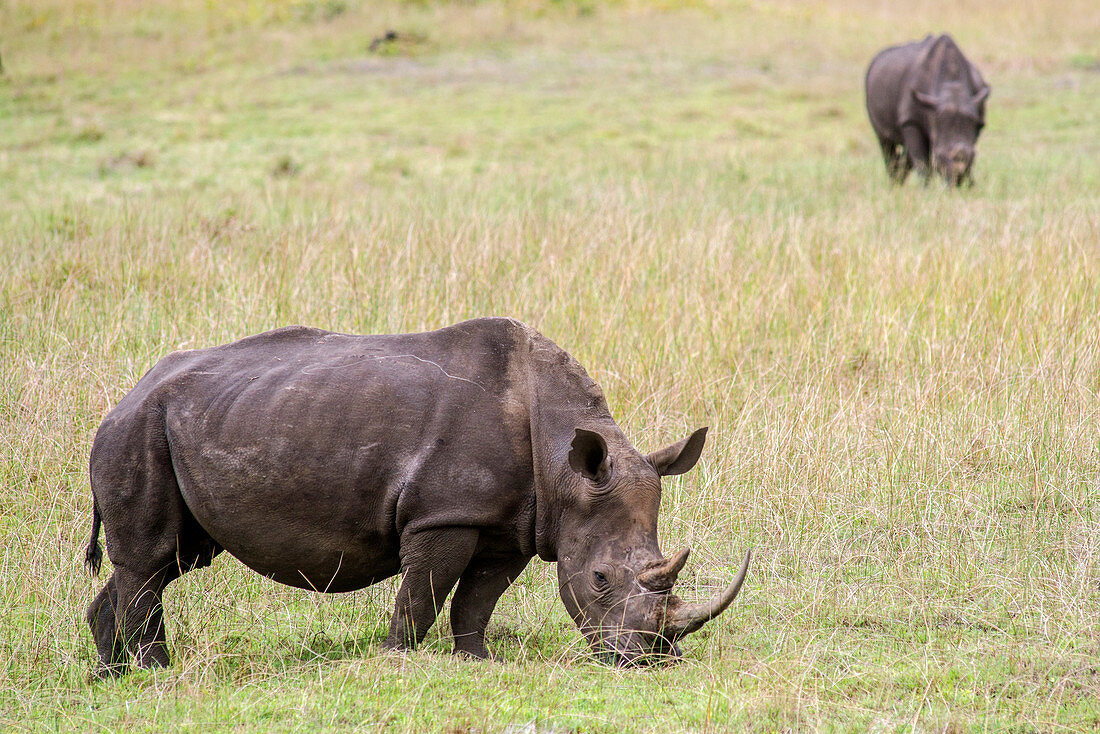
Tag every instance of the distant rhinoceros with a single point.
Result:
(330, 462)
(926, 102)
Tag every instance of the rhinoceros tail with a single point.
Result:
(93, 556)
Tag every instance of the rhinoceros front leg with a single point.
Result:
(484, 580)
(897, 162)
(916, 147)
(432, 562)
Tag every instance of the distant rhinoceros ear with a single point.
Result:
(925, 99)
(980, 96)
(588, 456)
(680, 456)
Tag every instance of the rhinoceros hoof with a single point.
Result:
(475, 654)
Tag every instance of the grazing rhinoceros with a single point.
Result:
(926, 102)
(330, 462)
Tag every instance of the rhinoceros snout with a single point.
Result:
(955, 166)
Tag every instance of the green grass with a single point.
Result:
(902, 384)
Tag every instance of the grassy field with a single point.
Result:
(902, 384)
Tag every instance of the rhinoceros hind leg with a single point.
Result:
(152, 538)
(101, 618)
(139, 615)
(481, 586)
(432, 562)
(127, 617)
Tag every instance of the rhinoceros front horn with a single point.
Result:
(687, 618)
(662, 576)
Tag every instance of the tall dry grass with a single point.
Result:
(901, 383)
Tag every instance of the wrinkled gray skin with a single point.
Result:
(330, 462)
(926, 102)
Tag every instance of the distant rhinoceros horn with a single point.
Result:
(684, 619)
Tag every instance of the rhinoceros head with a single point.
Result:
(957, 117)
(613, 579)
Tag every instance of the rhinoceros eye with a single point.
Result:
(599, 580)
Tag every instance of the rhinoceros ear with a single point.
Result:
(980, 96)
(588, 456)
(926, 100)
(680, 456)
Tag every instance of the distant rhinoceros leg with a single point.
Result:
(484, 580)
(897, 162)
(432, 562)
(916, 146)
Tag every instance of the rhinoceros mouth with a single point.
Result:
(636, 651)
